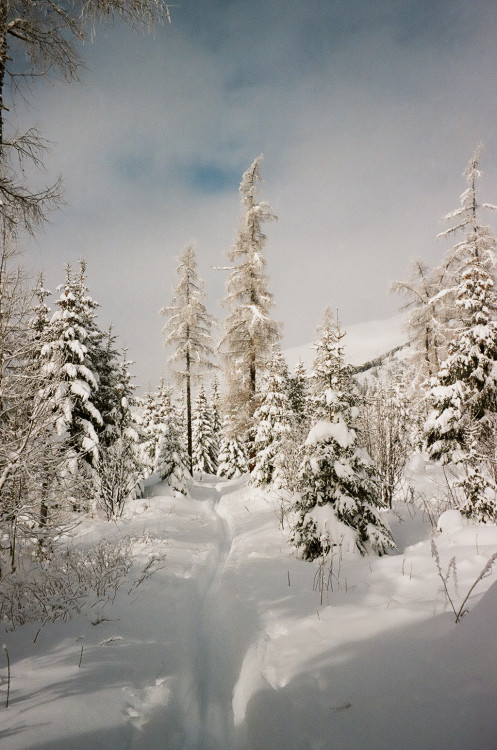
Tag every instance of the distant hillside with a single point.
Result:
(363, 343)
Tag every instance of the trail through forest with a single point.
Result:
(235, 644)
(222, 625)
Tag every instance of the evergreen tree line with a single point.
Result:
(333, 445)
(74, 437)
(67, 428)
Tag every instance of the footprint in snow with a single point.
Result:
(143, 702)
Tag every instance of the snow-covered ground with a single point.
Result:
(235, 643)
(362, 342)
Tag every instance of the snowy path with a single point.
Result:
(228, 646)
(222, 626)
(209, 708)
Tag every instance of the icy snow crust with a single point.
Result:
(229, 647)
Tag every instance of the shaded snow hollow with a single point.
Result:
(234, 644)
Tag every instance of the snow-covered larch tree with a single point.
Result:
(428, 317)
(272, 424)
(188, 330)
(461, 427)
(386, 424)
(37, 40)
(250, 332)
(338, 502)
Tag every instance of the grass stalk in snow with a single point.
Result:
(4, 648)
(445, 577)
(486, 571)
(323, 580)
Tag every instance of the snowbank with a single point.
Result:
(235, 644)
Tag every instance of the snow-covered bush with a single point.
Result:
(64, 583)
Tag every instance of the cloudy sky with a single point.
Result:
(366, 112)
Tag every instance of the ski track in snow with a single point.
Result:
(221, 625)
(229, 646)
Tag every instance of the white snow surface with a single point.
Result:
(228, 646)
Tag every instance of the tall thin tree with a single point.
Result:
(250, 332)
(188, 330)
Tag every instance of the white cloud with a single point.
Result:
(366, 129)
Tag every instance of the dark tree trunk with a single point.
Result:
(189, 411)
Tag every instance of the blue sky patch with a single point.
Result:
(211, 178)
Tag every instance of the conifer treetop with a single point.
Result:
(250, 333)
(189, 325)
(467, 214)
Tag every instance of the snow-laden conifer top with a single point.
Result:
(325, 430)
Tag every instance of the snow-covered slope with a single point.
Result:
(363, 342)
(234, 644)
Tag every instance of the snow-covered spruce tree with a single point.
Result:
(119, 469)
(172, 460)
(330, 377)
(272, 424)
(217, 421)
(291, 446)
(115, 388)
(46, 486)
(29, 454)
(249, 333)
(338, 502)
(162, 445)
(298, 395)
(102, 383)
(41, 314)
(233, 459)
(148, 432)
(68, 363)
(461, 427)
(205, 444)
(188, 330)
